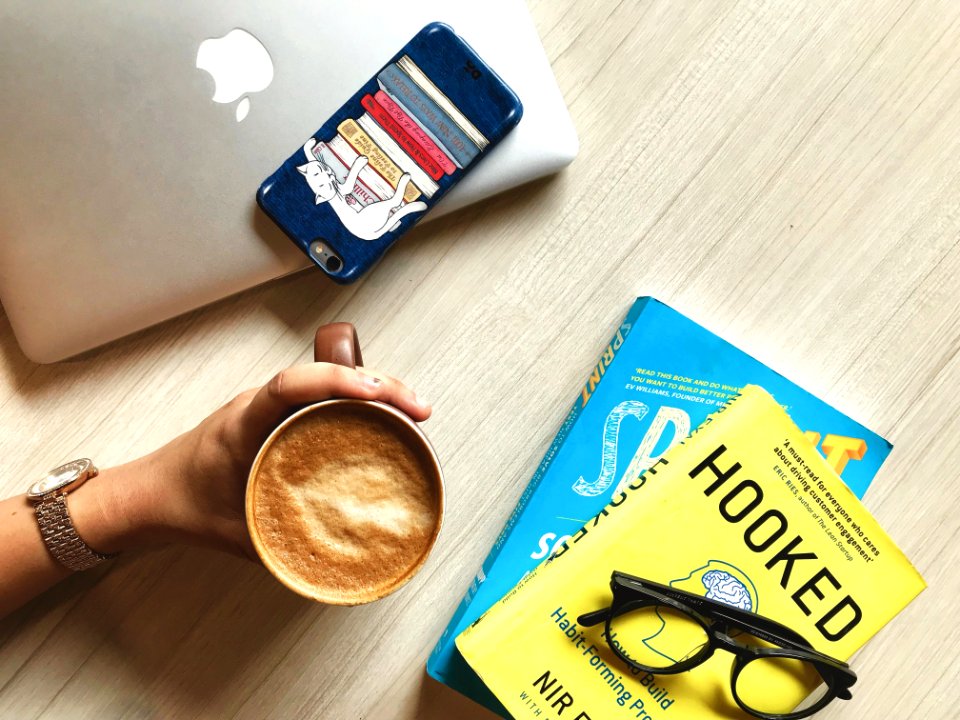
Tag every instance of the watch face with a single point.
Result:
(60, 477)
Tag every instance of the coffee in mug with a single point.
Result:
(345, 498)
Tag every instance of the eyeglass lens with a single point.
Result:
(657, 636)
(660, 637)
(778, 685)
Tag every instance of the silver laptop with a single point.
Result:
(128, 173)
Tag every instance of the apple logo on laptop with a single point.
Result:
(239, 65)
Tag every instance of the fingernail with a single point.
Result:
(425, 404)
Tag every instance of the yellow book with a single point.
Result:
(745, 511)
(378, 159)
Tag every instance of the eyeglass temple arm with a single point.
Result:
(740, 617)
(715, 608)
(593, 618)
(759, 623)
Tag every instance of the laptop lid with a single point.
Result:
(127, 192)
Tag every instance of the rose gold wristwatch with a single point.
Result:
(49, 497)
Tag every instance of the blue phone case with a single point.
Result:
(390, 153)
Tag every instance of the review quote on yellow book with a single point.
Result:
(745, 511)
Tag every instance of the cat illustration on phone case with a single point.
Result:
(367, 222)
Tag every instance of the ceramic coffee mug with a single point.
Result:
(345, 498)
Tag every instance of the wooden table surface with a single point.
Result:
(785, 172)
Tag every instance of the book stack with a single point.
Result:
(744, 513)
(659, 378)
(409, 128)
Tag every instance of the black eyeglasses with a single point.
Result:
(662, 630)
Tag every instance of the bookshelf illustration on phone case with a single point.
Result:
(375, 170)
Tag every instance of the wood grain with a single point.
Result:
(787, 173)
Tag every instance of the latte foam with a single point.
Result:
(346, 503)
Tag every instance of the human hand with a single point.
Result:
(192, 489)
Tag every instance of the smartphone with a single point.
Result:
(378, 165)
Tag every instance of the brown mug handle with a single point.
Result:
(337, 343)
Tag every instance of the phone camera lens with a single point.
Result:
(334, 264)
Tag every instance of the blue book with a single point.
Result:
(660, 376)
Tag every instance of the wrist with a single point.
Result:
(116, 511)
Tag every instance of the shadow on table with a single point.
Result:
(176, 632)
(410, 260)
(438, 702)
(139, 352)
(302, 300)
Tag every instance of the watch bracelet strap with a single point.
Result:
(61, 537)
